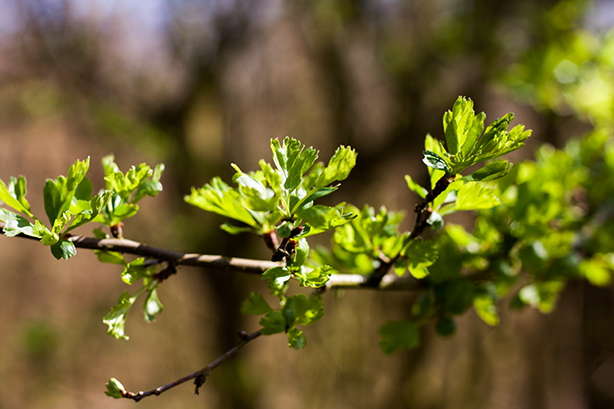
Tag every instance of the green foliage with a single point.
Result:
(296, 310)
(70, 202)
(538, 224)
(266, 199)
(128, 189)
(468, 143)
(116, 318)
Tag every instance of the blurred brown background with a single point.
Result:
(198, 84)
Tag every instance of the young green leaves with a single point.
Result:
(278, 201)
(68, 204)
(116, 318)
(297, 310)
(468, 143)
(127, 190)
(280, 197)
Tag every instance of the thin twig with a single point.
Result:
(199, 375)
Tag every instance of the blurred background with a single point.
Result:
(198, 84)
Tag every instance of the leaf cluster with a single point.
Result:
(70, 203)
(280, 197)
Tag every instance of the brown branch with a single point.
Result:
(198, 376)
(217, 262)
(188, 259)
(177, 258)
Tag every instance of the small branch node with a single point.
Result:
(199, 381)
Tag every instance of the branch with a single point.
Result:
(177, 258)
(217, 262)
(199, 375)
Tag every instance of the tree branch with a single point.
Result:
(224, 263)
(198, 376)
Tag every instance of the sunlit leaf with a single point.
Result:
(152, 305)
(116, 318)
(491, 171)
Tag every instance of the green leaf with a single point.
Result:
(116, 318)
(322, 218)
(435, 221)
(273, 323)
(109, 166)
(542, 295)
(14, 195)
(433, 145)
(52, 194)
(49, 237)
(307, 200)
(420, 255)
(396, 335)
(339, 166)
(125, 211)
(315, 278)
(491, 171)
(301, 310)
(400, 266)
(414, 187)
(596, 271)
(293, 160)
(230, 229)
(277, 277)
(472, 196)
(497, 141)
(125, 185)
(301, 253)
(15, 224)
(296, 338)
(461, 126)
(115, 389)
(61, 222)
(99, 234)
(152, 305)
(218, 197)
(147, 188)
(138, 269)
(112, 257)
(255, 194)
(58, 194)
(84, 190)
(150, 187)
(433, 160)
(63, 249)
(486, 309)
(255, 305)
(88, 211)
